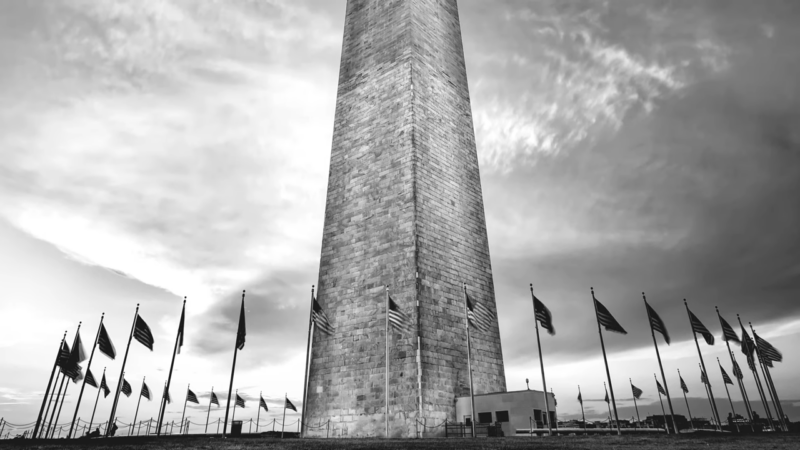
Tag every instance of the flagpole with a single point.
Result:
(283, 423)
(733, 411)
(469, 364)
(745, 397)
(386, 370)
(635, 405)
(96, 400)
(63, 380)
(738, 379)
(605, 360)
(582, 414)
(755, 374)
(209, 409)
(83, 385)
(777, 401)
(305, 378)
(661, 368)
(184, 408)
(703, 373)
(691, 421)
(121, 372)
(135, 415)
(169, 377)
(541, 364)
(666, 425)
(233, 417)
(47, 391)
(161, 407)
(608, 405)
(260, 397)
(233, 370)
(768, 381)
(714, 410)
(45, 430)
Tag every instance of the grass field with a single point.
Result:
(697, 441)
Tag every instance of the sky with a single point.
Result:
(151, 150)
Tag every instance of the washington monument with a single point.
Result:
(404, 210)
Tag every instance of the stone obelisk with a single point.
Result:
(404, 210)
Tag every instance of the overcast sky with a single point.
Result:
(151, 150)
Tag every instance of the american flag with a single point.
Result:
(698, 327)
(289, 405)
(90, 378)
(263, 404)
(727, 331)
(126, 388)
(241, 332)
(725, 378)
(748, 347)
(656, 323)
(166, 394)
(737, 371)
(104, 343)
(683, 385)
(180, 326)
(607, 320)
(703, 377)
(320, 319)
(479, 316)
(660, 388)
(191, 397)
(637, 393)
(63, 356)
(580, 398)
(606, 399)
(78, 355)
(399, 320)
(214, 400)
(767, 351)
(751, 363)
(145, 391)
(543, 316)
(104, 386)
(141, 332)
(239, 401)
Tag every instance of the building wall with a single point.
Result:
(519, 404)
(404, 209)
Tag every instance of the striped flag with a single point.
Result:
(321, 319)
(767, 351)
(748, 347)
(725, 378)
(398, 319)
(214, 400)
(241, 332)
(78, 355)
(737, 371)
(63, 356)
(141, 332)
(660, 388)
(703, 377)
(126, 388)
(263, 404)
(607, 320)
(479, 316)
(698, 327)
(543, 316)
(656, 324)
(606, 399)
(104, 343)
(104, 386)
(239, 401)
(192, 397)
(751, 363)
(580, 398)
(289, 405)
(90, 378)
(145, 391)
(180, 327)
(684, 388)
(637, 393)
(166, 394)
(727, 331)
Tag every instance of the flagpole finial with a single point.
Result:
(684, 302)
(184, 299)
